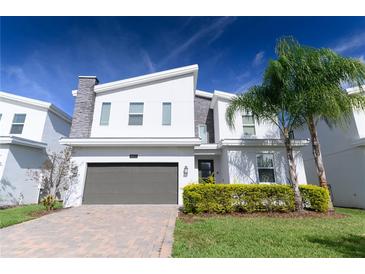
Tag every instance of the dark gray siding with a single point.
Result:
(204, 115)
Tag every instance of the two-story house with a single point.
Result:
(343, 153)
(28, 128)
(141, 140)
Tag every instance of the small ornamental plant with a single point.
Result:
(49, 202)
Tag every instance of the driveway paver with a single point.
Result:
(94, 231)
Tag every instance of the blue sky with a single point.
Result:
(41, 57)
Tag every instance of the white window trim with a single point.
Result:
(101, 112)
(206, 132)
(170, 113)
(135, 113)
(273, 168)
(13, 123)
(248, 114)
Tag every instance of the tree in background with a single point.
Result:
(320, 75)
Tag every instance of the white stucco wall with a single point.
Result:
(16, 179)
(4, 151)
(344, 163)
(40, 125)
(242, 165)
(359, 117)
(184, 156)
(34, 121)
(264, 129)
(54, 129)
(346, 173)
(179, 91)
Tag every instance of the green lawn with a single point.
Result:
(15, 215)
(228, 236)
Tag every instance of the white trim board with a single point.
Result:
(37, 103)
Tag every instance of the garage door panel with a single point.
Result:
(131, 184)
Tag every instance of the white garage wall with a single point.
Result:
(184, 156)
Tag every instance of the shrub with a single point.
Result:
(315, 198)
(208, 180)
(49, 202)
(226, 198)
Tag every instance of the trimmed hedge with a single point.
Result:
(315, 198)
(226, 198)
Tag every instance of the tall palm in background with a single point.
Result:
(321, 75)
(274, 102)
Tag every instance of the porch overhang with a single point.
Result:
(135, 141)
(207, 149)
(261, 143)
(15, 140)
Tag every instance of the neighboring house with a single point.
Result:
(343, 152)
(28, 128)
(141, 140)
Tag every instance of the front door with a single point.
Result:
(206, 168)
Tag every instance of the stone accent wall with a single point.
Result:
(84, 107)
(204, 115)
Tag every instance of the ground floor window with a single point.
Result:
(265, 167)
(206, 168)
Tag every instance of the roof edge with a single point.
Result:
(148, 78)
(38, 103)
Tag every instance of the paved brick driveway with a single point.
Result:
(94, 231)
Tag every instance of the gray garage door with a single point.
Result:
(148, 183)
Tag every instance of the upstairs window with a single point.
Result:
(105, 113)
(18, 124)
(265, 168)
(166, 114)
(135, 114)
(248, 122)
(203, 134)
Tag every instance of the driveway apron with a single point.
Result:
(142, 231)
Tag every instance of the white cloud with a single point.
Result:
(26, 84)
(362, 59)
(215, 30)
(243, 87)
(259, 58)
(350, 43)
(147, 61)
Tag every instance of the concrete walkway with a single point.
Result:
(94, 231)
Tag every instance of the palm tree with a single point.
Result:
(273, 101)
(320, 75)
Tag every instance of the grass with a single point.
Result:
(252, 237)
(19, 214)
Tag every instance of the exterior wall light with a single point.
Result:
(186, 171)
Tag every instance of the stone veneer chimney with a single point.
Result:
(84, 107)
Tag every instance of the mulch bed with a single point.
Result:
(290, 215)
(38, 214)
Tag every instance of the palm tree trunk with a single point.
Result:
(293, 173)
(316, 150)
